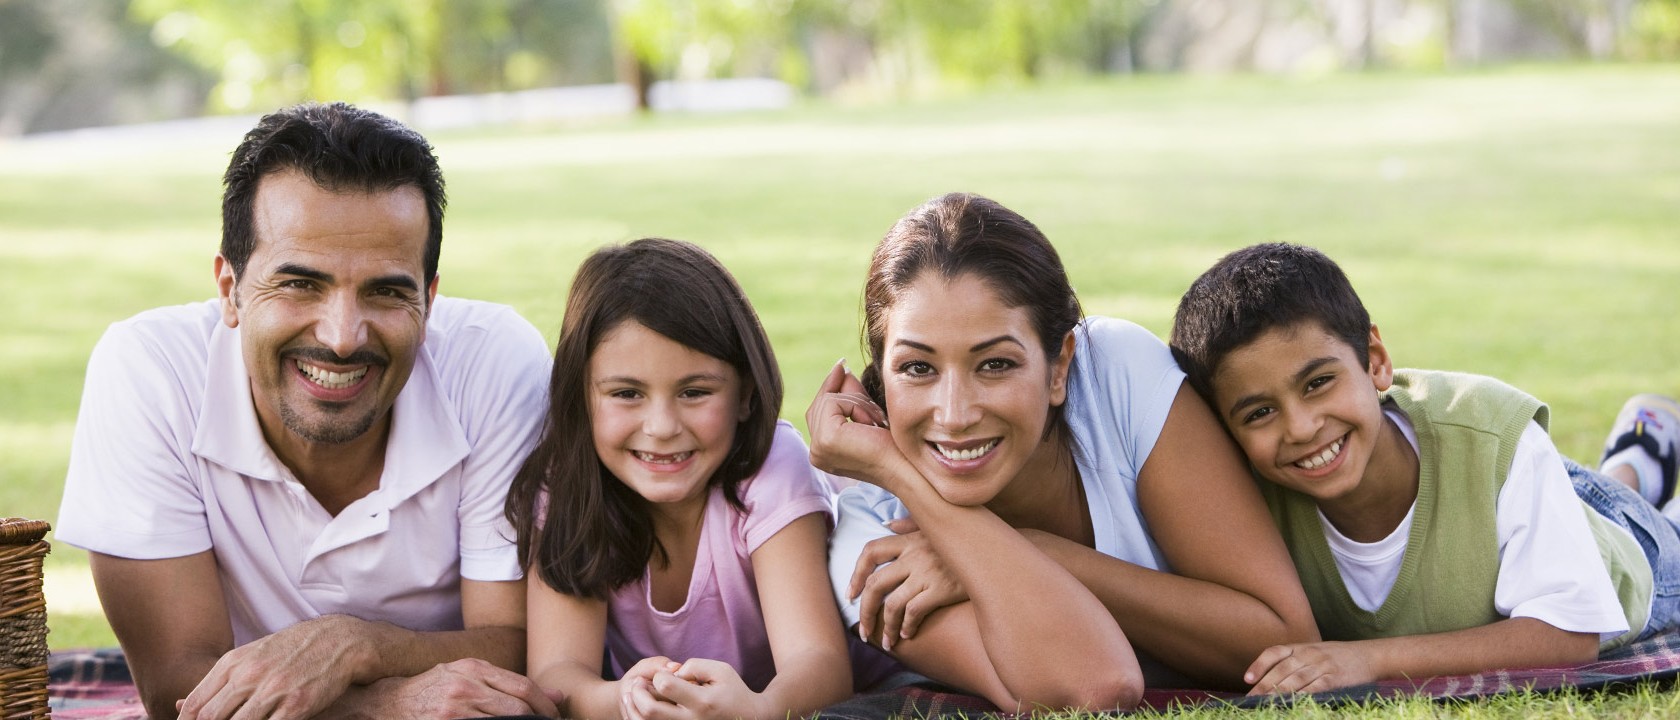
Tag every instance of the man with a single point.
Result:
(293, 494)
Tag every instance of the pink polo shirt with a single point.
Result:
(168, 460)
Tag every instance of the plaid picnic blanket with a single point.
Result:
(96, 684)
(1654, 659)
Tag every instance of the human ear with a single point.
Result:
(745, 413)
(227, 289)
(1059, 371)
(1381, 366)
(431, 294)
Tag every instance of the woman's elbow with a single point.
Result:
(1111, 686)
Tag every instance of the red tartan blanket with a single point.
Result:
(96, 684)
(1656, 659)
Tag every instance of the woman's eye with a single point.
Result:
(916, 368)
(997, 365)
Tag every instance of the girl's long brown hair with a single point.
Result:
(580, 530)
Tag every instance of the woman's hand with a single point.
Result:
(900, 594)
(848, 430)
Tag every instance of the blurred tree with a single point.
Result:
(273, 52)
(77, 63)
(1655, 29)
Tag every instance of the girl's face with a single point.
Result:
(663, 415)
(968, 385)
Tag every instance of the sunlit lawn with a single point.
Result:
(1524, 224)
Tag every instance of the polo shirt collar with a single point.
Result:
(426, 435)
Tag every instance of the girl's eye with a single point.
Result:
(624, 394)
(695, 393)
(1256, 415)
(916, 368)
(997, 365)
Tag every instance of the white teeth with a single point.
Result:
(329, 379)
(968, 454)
(1320, 460)
(662, 459)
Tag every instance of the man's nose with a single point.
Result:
(342, 326)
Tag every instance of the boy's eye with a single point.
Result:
(1318, 382)
(916, 368)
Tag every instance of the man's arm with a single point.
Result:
(321, 664)
(171, 619)
(473, 672)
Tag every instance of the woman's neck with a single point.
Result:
(1047, 495)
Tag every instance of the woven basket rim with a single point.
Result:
(22, 531)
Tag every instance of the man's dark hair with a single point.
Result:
(341, 148)
(1256, 289)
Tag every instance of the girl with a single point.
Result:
(666, 514)
(1065, 490)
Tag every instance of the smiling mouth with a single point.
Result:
(1323, 458)
(658, 459)
(973, 453)
(329, 379)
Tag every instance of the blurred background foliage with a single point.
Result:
(76, 63)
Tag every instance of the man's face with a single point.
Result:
(331, 307)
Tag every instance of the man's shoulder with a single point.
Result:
(470, 342)
(453, 318)
(173, 334)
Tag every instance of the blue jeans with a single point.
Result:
(1655, 533)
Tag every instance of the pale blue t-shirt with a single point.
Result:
(1120, 388)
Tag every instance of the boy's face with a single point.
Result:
(1303, 409)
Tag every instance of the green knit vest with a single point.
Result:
(1467, 429)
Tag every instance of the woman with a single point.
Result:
(1069, 497)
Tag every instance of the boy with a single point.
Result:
(1436, 529)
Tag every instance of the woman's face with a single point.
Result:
(968, 385)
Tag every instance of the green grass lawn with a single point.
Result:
(1522, 223)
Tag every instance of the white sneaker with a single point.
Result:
(1647, 425)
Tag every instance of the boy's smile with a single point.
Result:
(1309, 418)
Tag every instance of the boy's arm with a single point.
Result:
(1510, 643)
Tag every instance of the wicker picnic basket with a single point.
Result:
(23, 620)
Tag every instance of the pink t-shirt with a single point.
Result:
(721, 619)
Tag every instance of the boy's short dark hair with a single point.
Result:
(1258, 288)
